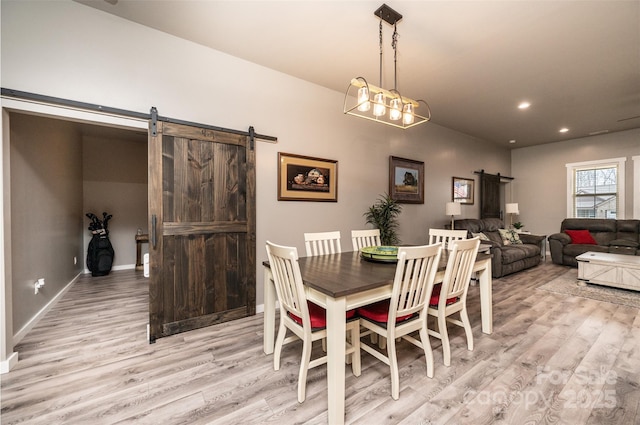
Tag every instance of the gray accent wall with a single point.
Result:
(46, 211)
(540, 185)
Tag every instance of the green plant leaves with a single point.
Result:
(383, 215)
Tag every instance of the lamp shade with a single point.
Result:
(453, 208)
(512, 208)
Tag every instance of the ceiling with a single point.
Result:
(576, 62)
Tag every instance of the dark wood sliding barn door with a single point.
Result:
(489, 196)
(202, 228)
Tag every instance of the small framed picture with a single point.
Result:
(305, 178)
(462, 190)
(406, 180)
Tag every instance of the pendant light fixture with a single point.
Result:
(389, 107)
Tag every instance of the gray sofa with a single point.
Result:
(610, 235)
(506, 259)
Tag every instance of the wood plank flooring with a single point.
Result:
(552, 359)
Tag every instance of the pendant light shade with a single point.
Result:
(363, 99)
(379, 107)
(389, 106)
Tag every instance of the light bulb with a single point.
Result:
(363, 99)
(396, 112)
(379, 107)
(407, 117)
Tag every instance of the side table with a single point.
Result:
(140, 239)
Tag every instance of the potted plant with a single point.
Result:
(383, 215)
(517, 225)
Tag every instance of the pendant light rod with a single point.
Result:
(380, 38)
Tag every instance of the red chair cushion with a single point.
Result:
(581, 237)
(318, 316)
(379, 312)
(435, 296)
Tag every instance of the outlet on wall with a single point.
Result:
(39, 284)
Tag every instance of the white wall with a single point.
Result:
(540, 185)
(68, 50)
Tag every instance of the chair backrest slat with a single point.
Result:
(444, 236)
(322, 243)
(462, 257)
(413, 281)
(285, 269)
(364, 238)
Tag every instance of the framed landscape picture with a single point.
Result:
(406, 180)
(305, 178)
(462, 190)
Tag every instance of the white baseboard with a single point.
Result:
(260, 308)
(34, 321)
(116, 268)
(7, 365)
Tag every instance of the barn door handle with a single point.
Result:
(154, 221)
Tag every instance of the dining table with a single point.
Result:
(344, 281)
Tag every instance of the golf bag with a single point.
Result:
(100, 255)
(100, 251)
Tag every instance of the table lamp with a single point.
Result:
(511, 209)
(453, 209)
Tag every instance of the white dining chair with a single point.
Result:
(405, 312)
(305, 319)
(322, 243)
(444, 236)
(364, 238)
(450, 296)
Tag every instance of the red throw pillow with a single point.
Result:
(581, 237)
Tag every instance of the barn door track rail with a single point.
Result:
(152, 115)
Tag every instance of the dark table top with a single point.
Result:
(339, 275)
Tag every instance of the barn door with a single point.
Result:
(489, 196)
(202, 228)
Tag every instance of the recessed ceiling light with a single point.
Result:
(564, 130)
(524, 105)
(512, 141)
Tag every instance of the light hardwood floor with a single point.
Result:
(552, 359)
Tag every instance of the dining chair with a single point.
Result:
(405, 312)
(306, 320)
(444, 236)
(450, 296)
(364, 238)
(322, 243)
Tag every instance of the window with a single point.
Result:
(596, 189)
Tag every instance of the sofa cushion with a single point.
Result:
(514, 253)
(494, 236)
(624, 242)
(582, 237)
(592, 224)
(509, 237)
(480, 236)
(628, 229)
(574, 249)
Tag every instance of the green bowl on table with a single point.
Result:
(382, 254)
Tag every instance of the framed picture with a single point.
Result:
(406, 180)
(462, 190)
(304, 178)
